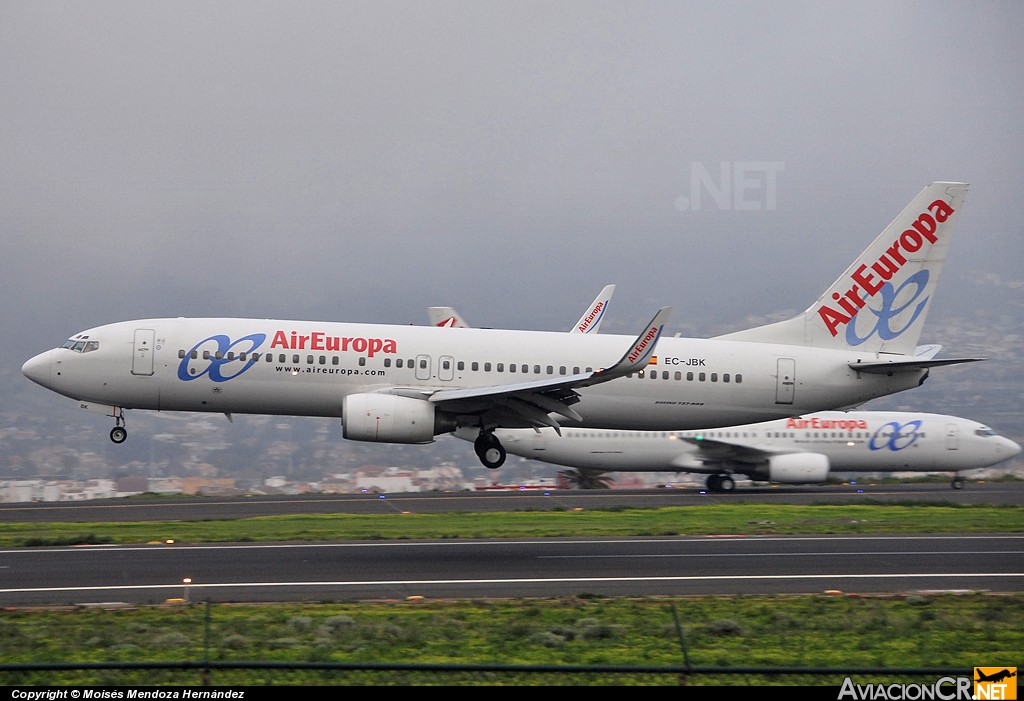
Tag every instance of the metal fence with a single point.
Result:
(270, 674)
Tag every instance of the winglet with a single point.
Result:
(446, 316)
(640, 353)
(590, 322)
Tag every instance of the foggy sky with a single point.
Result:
(357, 161)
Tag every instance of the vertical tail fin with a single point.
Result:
(880, 303)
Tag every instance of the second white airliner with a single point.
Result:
(797, 450)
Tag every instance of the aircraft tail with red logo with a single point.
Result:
(880, 303)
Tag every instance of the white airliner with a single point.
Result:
(792, 451)
(408, 384)
(590, 322)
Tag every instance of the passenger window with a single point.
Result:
(334, 360)
(181, 353)
(511, 367)
(295, 358)
(500, 367)
(487, 367)
(689, 377)
(323, 360)
(702, 377)
(714, 377)
(362, 362)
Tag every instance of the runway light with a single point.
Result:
(169, 541)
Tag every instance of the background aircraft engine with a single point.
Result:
(388, 418)
(798, 468)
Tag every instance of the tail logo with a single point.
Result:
(886, 312)
(869, 282)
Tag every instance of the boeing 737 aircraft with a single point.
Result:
(590, 322)
(795, 450)
(408, 384)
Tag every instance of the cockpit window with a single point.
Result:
(984, 431)
(81, 345)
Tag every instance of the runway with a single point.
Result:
(206, 508)
(151, 574)
(551, 567)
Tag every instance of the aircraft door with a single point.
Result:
(142, 359)
(952, 437)
(422, 367)
(785, 385)
(446, 368)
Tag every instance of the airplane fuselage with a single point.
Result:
(859, 441)
(307, 368)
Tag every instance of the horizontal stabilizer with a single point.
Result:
(882, 367)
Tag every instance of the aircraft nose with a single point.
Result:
(37, 369)
(1013, 447)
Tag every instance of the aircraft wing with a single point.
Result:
(530, 403)
(716, 450)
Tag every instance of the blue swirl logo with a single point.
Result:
(885, 314)
(902, 436)
(212, 358)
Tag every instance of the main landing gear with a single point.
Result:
(957, 483)
(119, 433)
(721, 483)
(489, 449)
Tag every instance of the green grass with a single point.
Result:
(714, 519)
(839, 632)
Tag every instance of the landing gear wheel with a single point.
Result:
(118, 434)
(957, 483)
(490, 450)
(721, 483)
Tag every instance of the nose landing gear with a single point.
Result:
(119, 433)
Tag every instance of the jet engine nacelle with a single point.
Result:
(388, 418)
(798, 468)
